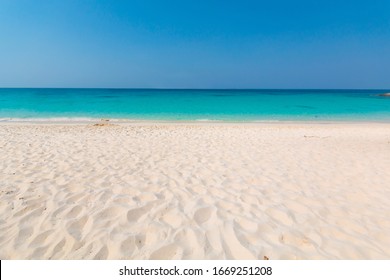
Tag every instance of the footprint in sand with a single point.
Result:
(58, 249)
(135, 214)
(102, 254)
(168, 252)
(77, 245)
(147, 197)
(202, 215)
(40, 239)
(39, 253)
(140, 241)
(86, 251)
(30, 209)
(155, 232)
(24, 234)
(74, 212)
(128, 246)
(109, 213)
(75, 229)
(173, 218)
(32, 217)
(193, 241)
(59, 211)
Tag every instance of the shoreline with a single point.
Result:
(75, 121)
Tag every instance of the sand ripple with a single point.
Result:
(210, 191)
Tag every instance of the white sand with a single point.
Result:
(195, 191)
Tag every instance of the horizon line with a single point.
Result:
(157, 88)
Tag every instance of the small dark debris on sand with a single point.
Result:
(103, 122)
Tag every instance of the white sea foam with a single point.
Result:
(43, 120)
(207, 120)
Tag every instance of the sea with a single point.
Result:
(193, 104)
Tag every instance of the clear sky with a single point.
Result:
(195, 44)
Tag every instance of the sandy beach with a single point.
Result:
(195, 191)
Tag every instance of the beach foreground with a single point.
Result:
(195, 191)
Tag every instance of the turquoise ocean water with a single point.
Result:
(229, 105)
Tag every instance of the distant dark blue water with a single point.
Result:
(233, 105)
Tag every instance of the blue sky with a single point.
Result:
(195, 44)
